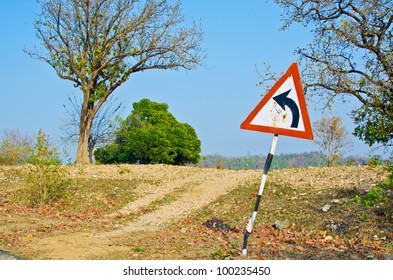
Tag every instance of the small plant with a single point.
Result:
(46, 178)
(369, 199)
(388, 183)
(43, 153)
(218, 255)
(47, 183)
(230, 254)
(375, 161)
(123, 170)
(138, 249)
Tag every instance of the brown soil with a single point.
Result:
(178, 192)
(193, 188)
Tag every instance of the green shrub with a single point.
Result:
(369, 199)
(47, 183)
(42, 152)
(375, 161)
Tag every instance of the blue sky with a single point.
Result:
(214, 99)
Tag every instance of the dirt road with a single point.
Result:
(179, 191)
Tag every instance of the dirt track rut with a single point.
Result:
(189, 189)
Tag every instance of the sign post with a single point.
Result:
(268, 162)
(282, 111)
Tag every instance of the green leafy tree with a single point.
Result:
(351, 55)
(98, 44)
(151, 134)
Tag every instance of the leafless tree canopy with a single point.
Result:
(14, 147)
(102, 129)
(331, 136)
(351, 55)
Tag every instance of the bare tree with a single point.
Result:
(102, 129)
(350, 56)
(330, 135)
(98, 44)
(15, 147)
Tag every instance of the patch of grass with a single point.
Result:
(358, 238)
(124, 170)
(108, 195)
(388, 183)
(138, 249)
(83, 194)
(46, 184)
(166, 199)
(230, 253)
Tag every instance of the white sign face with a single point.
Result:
(283, 109)
(273, 114)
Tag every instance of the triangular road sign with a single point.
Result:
(283, 109)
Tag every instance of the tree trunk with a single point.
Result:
(91, 155)
(87, 115)
(90, 149)
(82, 154)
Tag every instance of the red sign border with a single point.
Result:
(293, 70)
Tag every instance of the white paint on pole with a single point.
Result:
(263, 182)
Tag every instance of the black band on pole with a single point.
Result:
(268, 163)
(246, 235)
(257, 203)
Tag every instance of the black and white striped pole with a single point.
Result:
(262, 186)
(282, 111)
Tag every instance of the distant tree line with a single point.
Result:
(295, 160)
(16, 148)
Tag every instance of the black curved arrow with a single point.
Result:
(283, 101)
